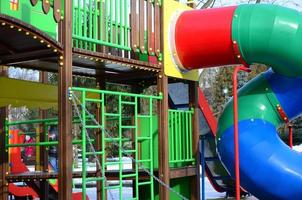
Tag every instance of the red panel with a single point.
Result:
(24, 191)
(16, 163)
(204, 38)
(207, 112)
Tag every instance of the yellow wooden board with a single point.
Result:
(171, 8)
(31, 94)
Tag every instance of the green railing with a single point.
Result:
(117, 138)
(123, 25)
(101, 22)
(180, 137)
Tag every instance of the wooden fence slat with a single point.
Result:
(134, 32)
(142, 25)
(149, 27)
(157, 28)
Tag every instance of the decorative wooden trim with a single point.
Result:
(45, 6)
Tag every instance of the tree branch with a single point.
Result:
(208, 3)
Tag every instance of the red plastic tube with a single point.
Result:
(203, 38)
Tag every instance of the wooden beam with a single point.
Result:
(3, 152)
(43, 158)
(65, 110)
(163, 151)
(193, 98)
(26, 56)
(183, 172)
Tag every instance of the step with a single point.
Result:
(128, 102)
(143, 116)
(94, 179)
(116, 139)
(143, 161)
(143, 138)
(94, 153)
(93, 126)
(112, 187)
(128, 175)
(144, 183)
(112, 114)
(130, 151)
(94, 100)
(133, 127)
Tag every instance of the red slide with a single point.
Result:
(17, 166)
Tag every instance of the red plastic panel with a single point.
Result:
(203, 38)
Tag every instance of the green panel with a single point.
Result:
(180, 139)
(145, 145)
(32, 15)
(143, 57)
(180, 185)
(252, 104)
(270, 35)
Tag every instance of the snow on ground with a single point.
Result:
(298, 148)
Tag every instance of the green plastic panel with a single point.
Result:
(270, 35)
(250, 97)
(180, 185)
(31, 15)
(180, 139)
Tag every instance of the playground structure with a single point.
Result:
(141, 44)
(118, 42)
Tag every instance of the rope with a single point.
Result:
(74, 98)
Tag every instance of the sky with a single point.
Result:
(295, 4)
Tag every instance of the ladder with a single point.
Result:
(139, 163)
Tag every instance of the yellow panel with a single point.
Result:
(171, 7)
(31, 94)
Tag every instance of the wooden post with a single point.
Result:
(65, 111)
(163, 151)
(195, 181)
(3, 152)
(43, 159)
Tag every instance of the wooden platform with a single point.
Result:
(111, 175)
(25, 46)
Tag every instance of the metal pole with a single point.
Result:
(236, 140)
(202, 159)
(290, 135)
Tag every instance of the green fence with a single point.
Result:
(124, 25)
(180, 137)
(105, 22)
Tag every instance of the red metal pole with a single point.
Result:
(290, 135)
(236, 140)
